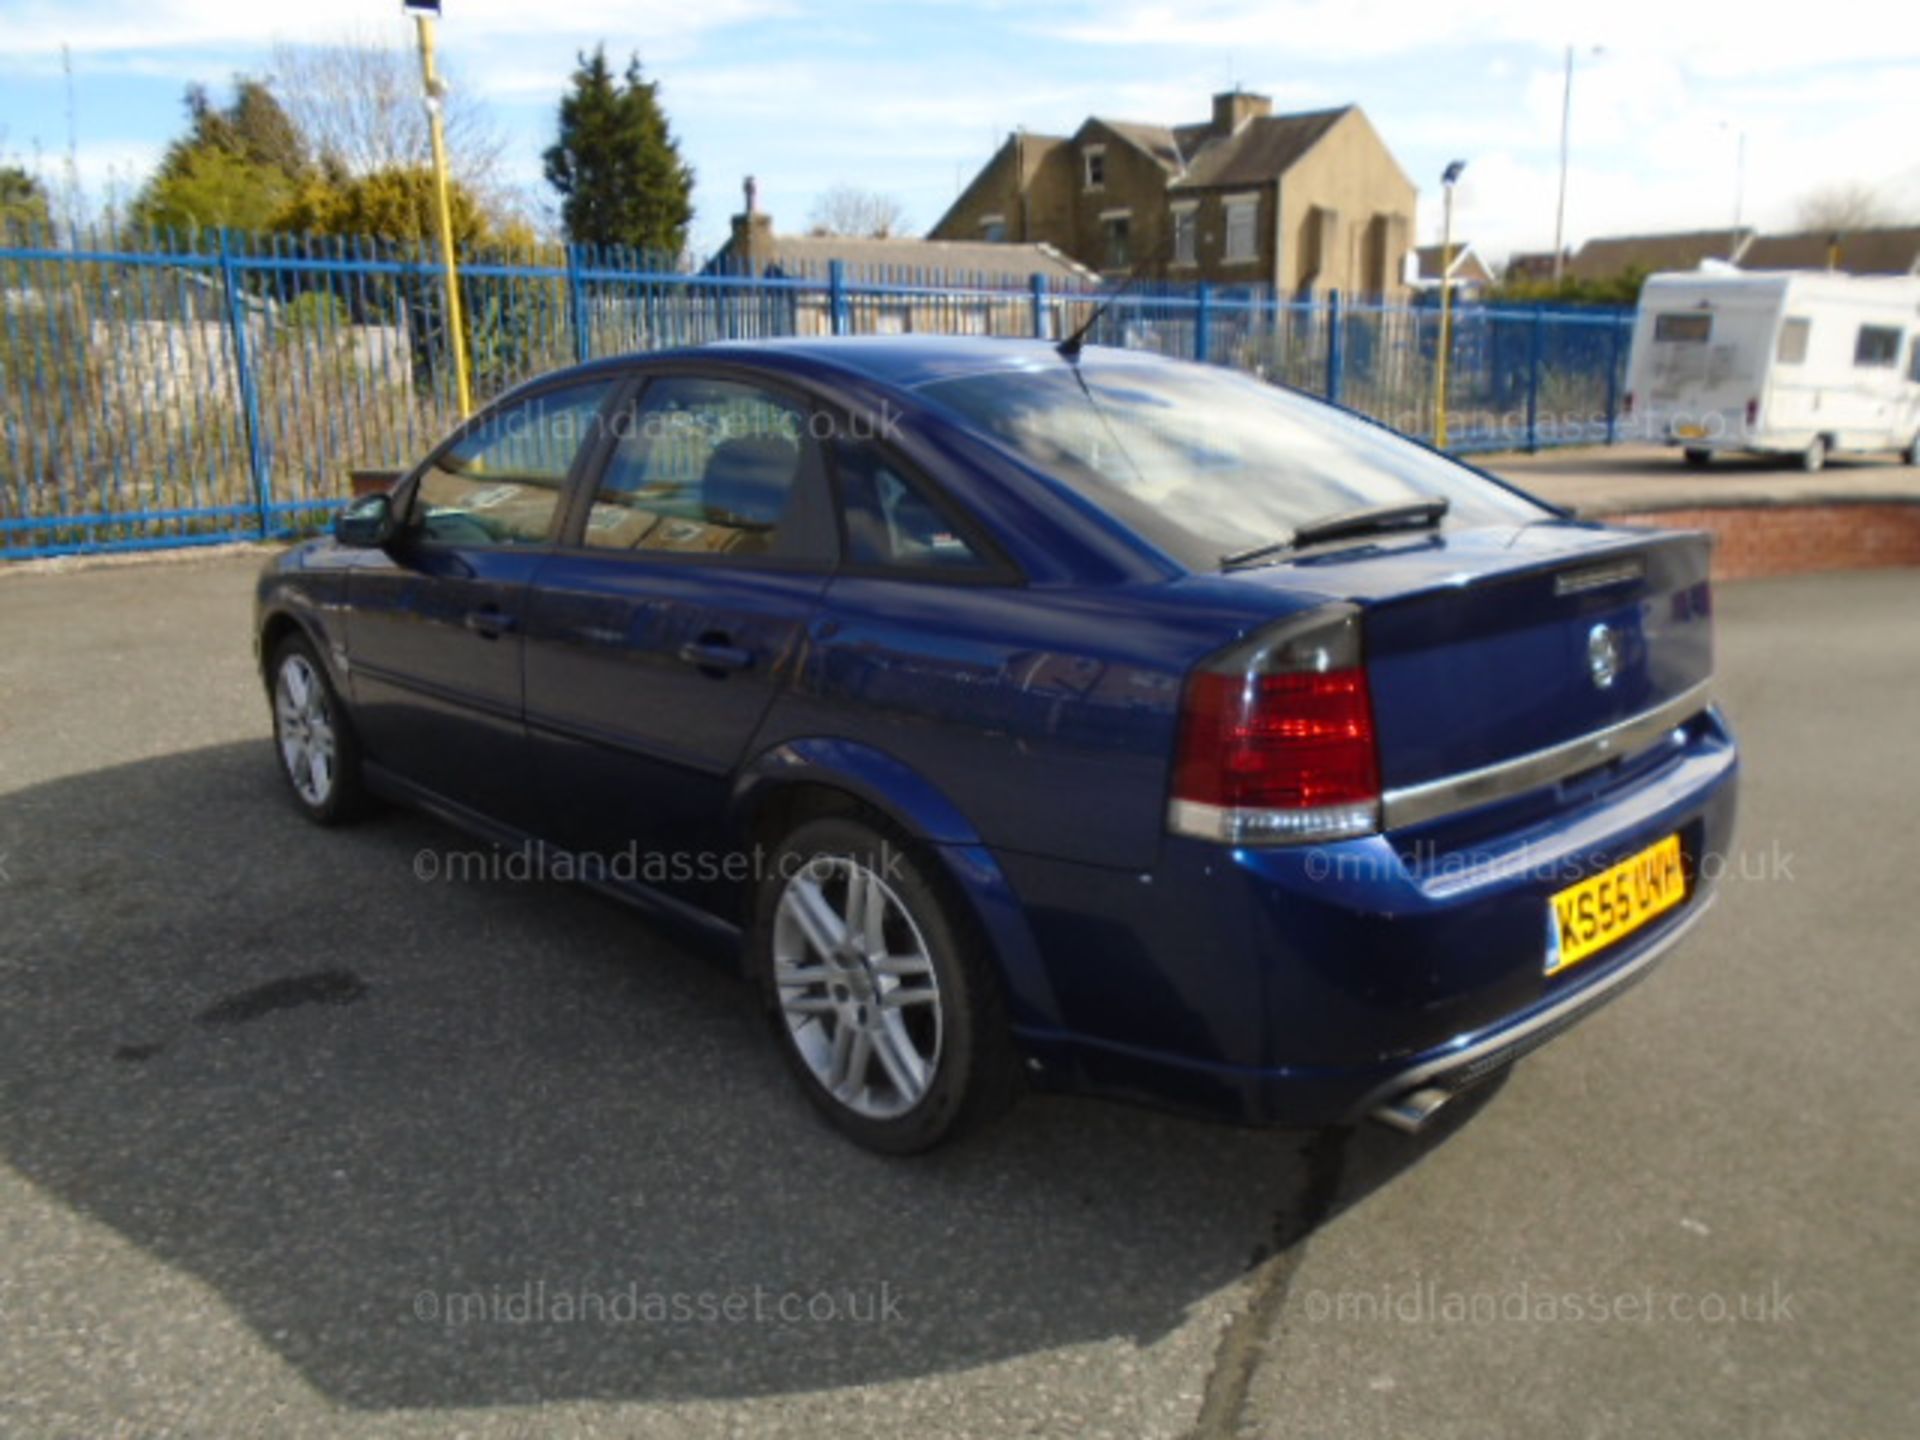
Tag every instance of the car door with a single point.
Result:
(1870, 419)
(660, 632)
(436, 622)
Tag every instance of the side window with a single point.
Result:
(502, 483)
(890, 519)
(1683, 328)
(711, 466)
(1792, 349)
(1913, 360)
(1878, 347)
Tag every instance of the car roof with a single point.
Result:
(904, 361)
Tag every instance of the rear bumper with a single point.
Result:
(1308, 986)
(1312, 1096)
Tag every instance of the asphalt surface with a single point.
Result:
(295, 1141)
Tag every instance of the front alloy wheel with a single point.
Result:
(304, 728)
(879, 988)
(312, 737)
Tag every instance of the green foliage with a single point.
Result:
(23, 203)
(235, 167)
(616, 163)
(392, 204)
(253, 127)
(1621, 289)
(210, 188)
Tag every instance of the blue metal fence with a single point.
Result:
(166, 390)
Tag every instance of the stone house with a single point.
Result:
(1307, 203)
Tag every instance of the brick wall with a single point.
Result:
(1794, 539)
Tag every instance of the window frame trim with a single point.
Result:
(1185, 212)
(1788, 323)
(407, 490)
(1892, 362)
(584, 483)
(1248, 200)
(996, 567)
(1088, 154)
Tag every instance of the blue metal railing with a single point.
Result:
(169, 389)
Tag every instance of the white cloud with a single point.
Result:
(1713, 36)
(860, 94)
(38, 28)
(1651, 152)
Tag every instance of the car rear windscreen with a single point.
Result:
(1205, 462)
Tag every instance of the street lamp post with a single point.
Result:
(1739, 181)
(424, 13)
(1448, 179)
(1560, 209)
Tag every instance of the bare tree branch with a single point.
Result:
(847, 210)
(358, 104)
(1848, 206)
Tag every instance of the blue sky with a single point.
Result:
(911, 96)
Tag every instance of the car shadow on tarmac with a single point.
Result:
(457, 1143)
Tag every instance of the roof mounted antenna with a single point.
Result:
(1070, 347)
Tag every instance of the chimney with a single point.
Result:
(752, 233)
(1234, 108)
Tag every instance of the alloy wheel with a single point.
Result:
(304, 723)
(856, 987)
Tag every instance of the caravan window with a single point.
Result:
(1689, 329)
(1913, 361)
(1792, 349)
(1878, 347)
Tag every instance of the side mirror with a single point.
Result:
(368, 523)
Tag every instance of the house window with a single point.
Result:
(1792, 349)
(1185, 230)
(1118, 228)
(1877, 348)
(993, 229)
(1243, 213)
(1095, 159)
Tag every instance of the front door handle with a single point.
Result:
(489, 622)
(714, 656)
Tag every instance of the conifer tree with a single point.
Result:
(616, 163)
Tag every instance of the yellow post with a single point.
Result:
(423, 18)
(1446, 316)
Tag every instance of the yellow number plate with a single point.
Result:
(1690, 432)
(1593, 914)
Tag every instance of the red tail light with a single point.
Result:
(1627, 407)
(1276, 738)
(1753, 412)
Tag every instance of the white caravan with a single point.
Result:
(1802, 363)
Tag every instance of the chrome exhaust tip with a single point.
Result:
(1409, 1113)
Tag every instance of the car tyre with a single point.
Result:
(879, 989)
(1814, 458)
(1912, 455)
(313, 741)
(1699, 459)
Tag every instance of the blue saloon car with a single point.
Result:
(1018, 717)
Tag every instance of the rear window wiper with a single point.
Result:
(1414, 515)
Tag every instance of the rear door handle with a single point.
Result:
(489, 622)
(715, 657)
